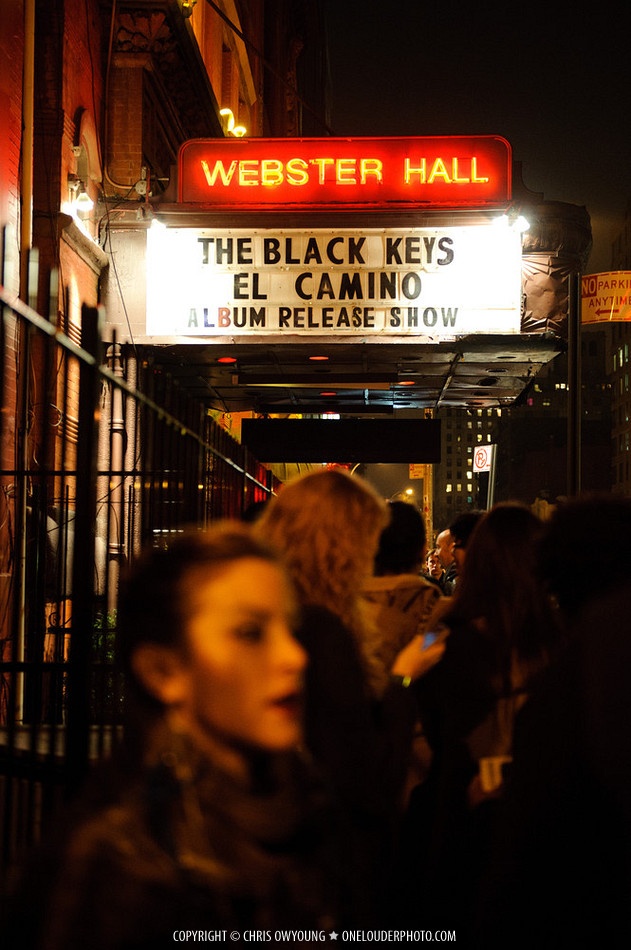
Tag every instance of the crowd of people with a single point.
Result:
(330, 726)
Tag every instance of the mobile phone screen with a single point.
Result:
(428, 638)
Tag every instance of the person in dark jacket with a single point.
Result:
(402, 603)
(560, 868)
(210, 817)
(400, 599)
(559, 871)
(502, 633)
(461, 529)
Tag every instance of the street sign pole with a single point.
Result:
(484, 463)
(491, 493)
(574, 386)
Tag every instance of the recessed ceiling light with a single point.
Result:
(316, 359)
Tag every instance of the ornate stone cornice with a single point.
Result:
(160, 30)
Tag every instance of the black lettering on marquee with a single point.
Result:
(329, 250)
(392, 250)
(284, 313)
(241, 287)
(313, 252)
(411, 285)
(449, 251)
(413, 250)
(300, 279)
(241, 290)
(355, 246)
(226, 250)
(327, 318)
(339, 250)
(288, 252)
(271, 251)
(248, 317)
(351, 287)
(244, 250)
(388, 286)
(428, 243)
(325, 288)
(205, 243)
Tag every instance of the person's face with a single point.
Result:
(445, 548)
(459, 556)
(434, 567)
(238, 680)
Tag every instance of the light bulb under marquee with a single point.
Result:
(512, 220)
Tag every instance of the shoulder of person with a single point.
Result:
(441, 607)
(322, 632)
(315, 616)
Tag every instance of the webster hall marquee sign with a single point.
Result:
(385, 173)
(356, 280)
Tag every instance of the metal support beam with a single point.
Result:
(574, 386)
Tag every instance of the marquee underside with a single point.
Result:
(360, 378)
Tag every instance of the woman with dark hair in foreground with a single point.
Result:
(210, 818)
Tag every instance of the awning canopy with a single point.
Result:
(359, 379)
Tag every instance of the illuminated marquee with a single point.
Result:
(426, 283)
(362, 173)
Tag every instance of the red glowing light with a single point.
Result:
(364, 173)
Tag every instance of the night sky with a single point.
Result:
(553, 81)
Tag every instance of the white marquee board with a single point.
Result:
(368, 282)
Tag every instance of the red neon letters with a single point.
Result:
(361, 173)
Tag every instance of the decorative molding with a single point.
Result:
(161, 32)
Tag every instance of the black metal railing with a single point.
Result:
(100, 453)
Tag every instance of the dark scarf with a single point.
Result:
(261, 844)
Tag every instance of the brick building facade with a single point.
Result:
(99, 96)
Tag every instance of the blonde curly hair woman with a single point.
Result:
(326, 526)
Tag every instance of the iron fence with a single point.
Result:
(100, 453)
